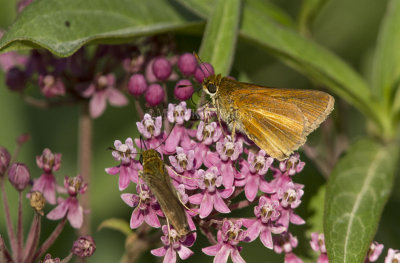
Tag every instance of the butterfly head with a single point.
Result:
(211, 84)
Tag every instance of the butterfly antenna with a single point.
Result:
(165, 138)
(201, 63)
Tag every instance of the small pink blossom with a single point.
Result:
(318, 244)
(209, 133)
(183, 160)
(173, 244)
(211, 197)
(292, 165)
(51, 86)
(150, 127)
(228, 238)
(49, 161)
(147, 208)
(124, 152)
(393, 256)
(228, 149)
(290, 195)
(178, 113)
(70, 207)
(285, 243)
(100, 91)
(374, 251)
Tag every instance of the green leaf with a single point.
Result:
(308, 12)
(219, 40)
(116, 224)
(386, 67)
(356, 194)
(63, 26)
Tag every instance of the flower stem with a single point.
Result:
(50, 240)
(67, 258)
(10, 228)
(4, 254)
(85, 160)
(33, 238)
(20, 229)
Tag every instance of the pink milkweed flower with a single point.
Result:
(128, 169)
(46, 183)
(228, 149)
(48, 259)
(318, 244)
(183, 160)
(228, 238)
(100, 91)
(150, 127)
(289, 196)
(51, 86)
(147, 209)
(393, 256)
(266, 212)
(207, 134)
(211, 197)
(178, 113)
(173, 244)
(292, 165)
(70, 207)
(374, 251)
(251, 176)
(284, 242)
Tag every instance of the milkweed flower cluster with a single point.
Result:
(208, 170)
(42, 190)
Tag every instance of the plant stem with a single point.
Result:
(50, 240)
(10, 228)
(4, 254)
(85, 160)
(33, 238)
(20, 229)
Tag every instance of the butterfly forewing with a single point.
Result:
(277, 120)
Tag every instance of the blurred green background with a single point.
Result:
(348, 28)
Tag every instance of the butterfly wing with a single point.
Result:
(277, 120)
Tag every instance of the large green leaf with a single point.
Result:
(356, 194)
(63, 26)
(386, 67)
(308, 12)
(219, 40)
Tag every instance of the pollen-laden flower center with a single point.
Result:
(102, 82)
(124, 151)
(396, 258)
(37, 201)
(150, 127)
(259, 163)
(49, 81)
(178, 111)
(291, 162)
(290, 196)
(209, 179)
(229, 148)
(75, 184)
(208, 132)
(267, 211)
(144, 199)
(320, 240)
(182, 160)
(174, 238)
(48, 159)
(234, 232)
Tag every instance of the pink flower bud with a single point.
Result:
(162, 68)
(4, 160)
(183, 89)
(19, 176)
(84, 247)
(137, 85)
(202, 71)
(15, 79)
(154, 94)
(187, 64)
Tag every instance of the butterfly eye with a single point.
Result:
(211, 88)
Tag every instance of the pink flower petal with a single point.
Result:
(184, 252)
(266, 238)
(236, 257)
(295, 219)
(75, 214)
(152, 219)
(251, 188)
(97, 104)
(254, 230)
(116, 98)
(137, 218)
(220, 205)
(206, 206)
(59, 212)
(211, 250)
(170, 256)
(112, 170)
(222, 255)
(159, 252)
(196, 199)
(129, 199)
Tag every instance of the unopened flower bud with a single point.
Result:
(187, 64)
(48, 259)
(137, 84)
(183, 89)
(162, 68)
(4, 160)
(84, 247)
(19, 176)
(15, 79)
(37, 202)
(154, 94)
(202, 71)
